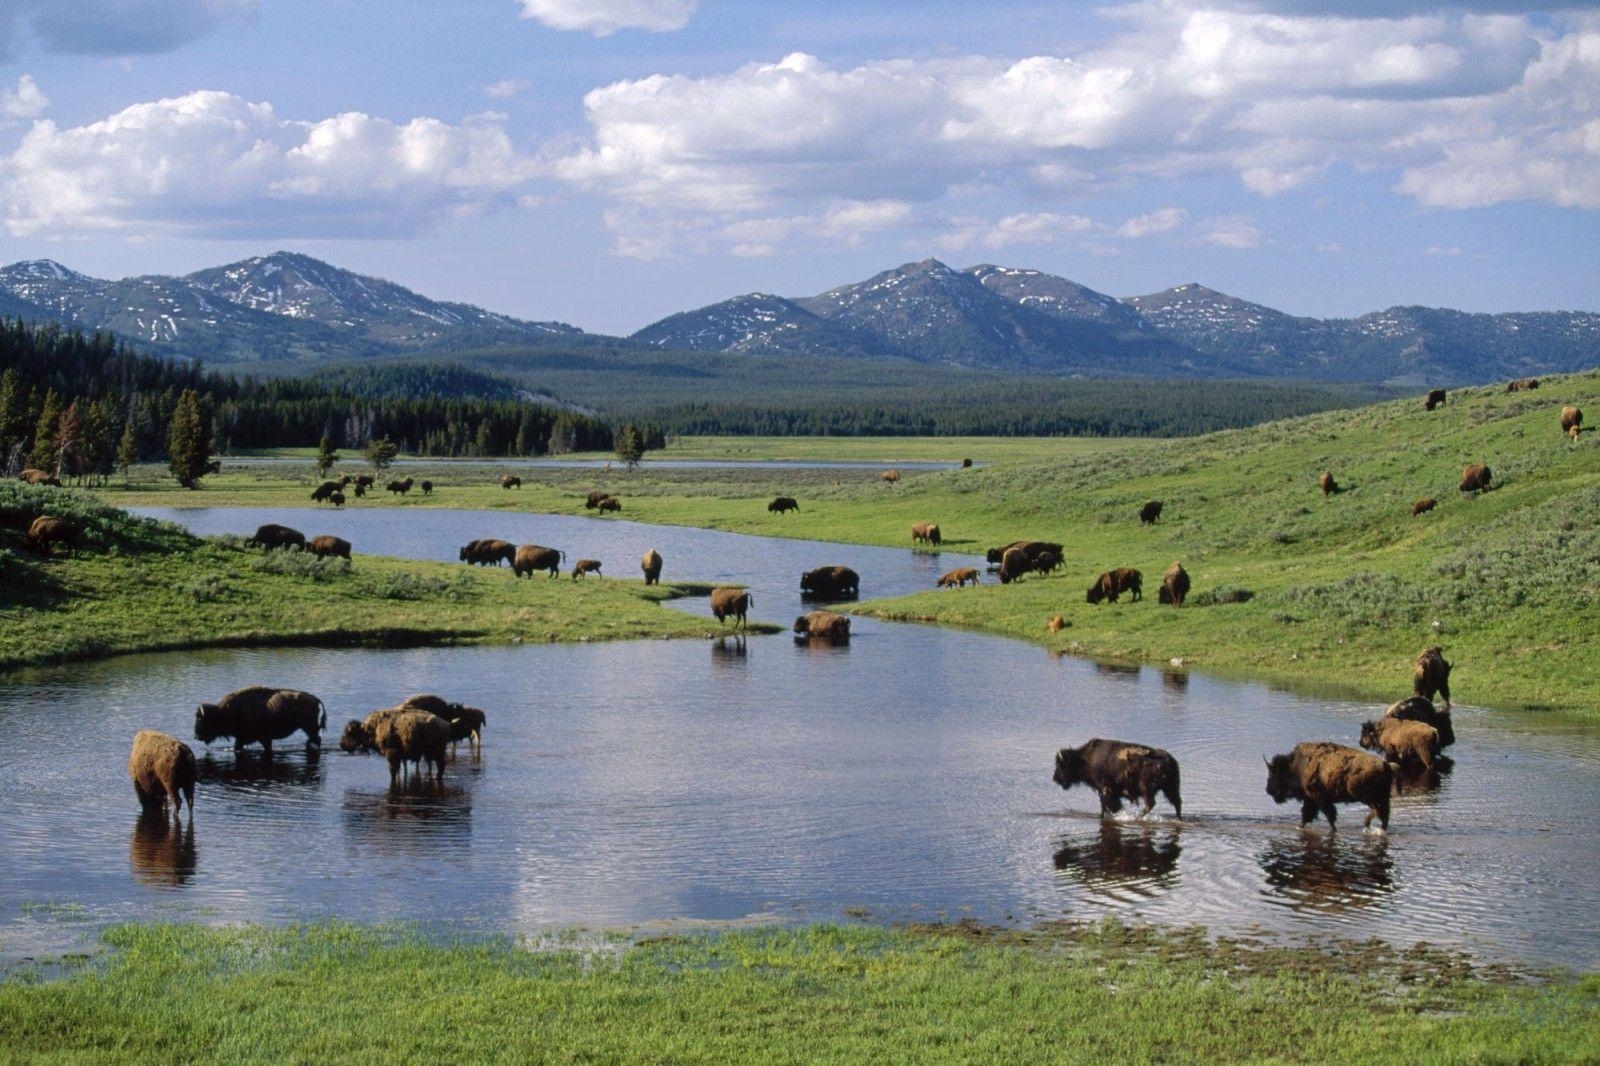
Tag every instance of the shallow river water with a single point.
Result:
(907, 773)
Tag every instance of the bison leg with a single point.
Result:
(1381, 812)
(1171, 792)
(1110, 802)
(1308, 812)
(266, 749)
(1330, 814)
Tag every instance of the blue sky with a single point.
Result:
(607, 162)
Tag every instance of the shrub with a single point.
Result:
(302, 564)
(1221, 594)
(408, 586)
(206, 589)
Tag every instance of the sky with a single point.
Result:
(609, 162)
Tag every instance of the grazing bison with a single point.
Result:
(530, 557)
(650, 563)
(1326, 483)
(610, 503)
(1421, 709)
(489, 551)
(593, 500)
(1150, 512)
(891, 477)
(1432, 674)
(401, 487)
(466, 723)
(732, 603)
(1435, 399)
(1013, 564)
(1475, 477)
(1571, 421)
(586, 566)
(1404, 743)
(1120, 771)
(40, 477)
(162, 768)
(1045, 562)
(824, 625)
(427, 488)
(954, 579)
(783, 505)
(260, 715)
(1320, 773)
(1174, 585)
(327, 545)
(272, 536)
(337, 499)
(1423, 506)
(830, 582)
(510, 481)
(358, 736)
(1113, 583)
(1522, 384)
(1030, 550)
(364, 482)
(325, 490)
(361, 490)
(925, 533)
(47, 530)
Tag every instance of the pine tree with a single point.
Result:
(42, 456)
(189, 440)
(326, 456)
(381, 452)
(630, 445)
(128, 447)
(13, 418)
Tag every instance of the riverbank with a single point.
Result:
(142, 586)
(816, 993)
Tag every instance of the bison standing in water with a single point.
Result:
(1404, 743)
(162, 768)
(954, 579)
(830, 582)
(1435, 398)
(1119, 771)
(1421, 709)
(1432, 674)
(260, 715)
(466, 723)
(1475, 477)
(1320, 774)
(1174, 585)
(824, 625)
(650, 563)
(732, 603)
(1150, 512)
(783, 504)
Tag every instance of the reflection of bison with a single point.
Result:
(783, 504)
(1423, 506)
(530, 557)
(1150, 512)
(650, 563)
(1432, 674)
(593, 500)
(586, 566)
(732, 603)
(1174, 585)
(1407, 744)
(1120, 771)
(401, 487)
(1113, 583)
(1522, 384)
(489, 551)
(1320, 774)
(824, 625)
(1326, 483)
(954, 579)
(1435, 399)
(1571, 421)
(326, 545)
(1475, 477)
(1421, 709)
(40, 477)
(272, 536)
(47, 530)
(925, 533)
(162, 768)
(830, 582)
(260, 715)
(510, 481)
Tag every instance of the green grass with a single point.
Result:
(140, 585)
(819, 993)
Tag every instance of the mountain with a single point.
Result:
(759, 324)
(282, 306)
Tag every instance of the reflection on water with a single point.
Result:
(1118, 671)
(729, 651)
(409, 816)
(1329, 872)
(162, 852)
(1176, 680)
(1140, 858)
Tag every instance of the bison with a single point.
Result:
(361, 490)
(1435, 399)
(1475, 478)
(610, 503)
(1423, 506)
(510, 481)
(531, 557)
(954, 579)
(732, 603)
(427, 488)
(401, 487)
(326, 545)
(586, 566)
(272, 536)
(593, 500)
(1432, 674)
(1571, 422)
(1046, 561)
(1056, 623)
(325, 490)
(47, 530)
(1174, 585)
(1013, 564)
(1029, 548)
(966, 464)
(925, 533)
(891, 477)
(830, 582)
(1320, 773)
(1150, 512)
(466, 723)
(412, 736)
(490, 551)
(337, 499)
(1113, 583)
(1522, 384)
(1119, 771)
(1421, 709)
(1402, 742)
(162, 768)
(650, 563)
(783, 505)
(260, 715)
(358, 736)
(40, 477)
(824, 625)
(1326, 483)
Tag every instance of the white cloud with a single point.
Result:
(605, 17)
(115, 27)
(1232, 231)
(27, 100)
(1448, 250)
(1163, 221)
(213, 164)
(505, 88)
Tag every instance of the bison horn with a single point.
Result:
(1267, 761)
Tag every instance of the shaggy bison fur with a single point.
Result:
(1150, 512)
(1414, 744)
(925, 533)
(162, 768)
(891, 476)
(1113, 583)
(489, 551)
(1432, 674)
(954, 579)
(325, 491)
(1320, 774)
(1056, 623)
(1013, 564)
(1571, 421)
(610, 503)
(824, 625)
(427, 488)
(260, 715)
(466, 723)
(1435, 399)
(1326, 483)
(510, 481)
(531, 557)
(47, 530)
(650, 563)
(1423, 506)
(586, 566)
(1118, 771)
(1046, 561)
(1421, 709)
(1475, 477)
(593, 500)
(1174, 585)
(40, 477)
(783, 505)
(327, 545)
(337, 499)
(272, 536)
(414, 737)
(1029, 548)
(830, 582)
(401, 487)
(732, 603)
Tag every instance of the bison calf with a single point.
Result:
(1118, 771)
(1423, 506)
(954, 579)
(1402, 742)
(1321, 774)
(586, 566)
(162, 768)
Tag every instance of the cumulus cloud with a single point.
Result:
(505, 89)
(115, 27)
(27, 100)
(605, 17)
(1162, 221)
(1232, 231)
(213, 164)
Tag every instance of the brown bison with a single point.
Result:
(325, 490)
(1421, 709)
(1174, 585)
(1013, 564)
(1320, 773)
(47, 530)
(530, 557)
(361, 490)
(824, 625)
(327, 545)
(1120, 771)
(260, 715)
(1326, 483)
(364, 482)
(891, 477)
(954, 579)
(1435, 399)
(1475, 477)
(783, 505)
(337, 499)
(1150, 512)
(358, 736)
(272, 536)
(1571, 421)
(162, 768)
(610, 503)
(1056, 623)
(1522, 384)
(427, 488)
(1045, 562)
(830, 582)
(1113, 583)
(1404, 743)
(650, 563)
(1029, 548)
(510, 481)
(414, 737)
(732, 603)
(1423, 506)
(586, 566)
(489, 551)
(401, 487)
(466, 723)
(40, 477)
(593, 500)
(925, 533)
(1432, 674)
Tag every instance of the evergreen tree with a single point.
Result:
(42, 456)
(99, 437)
(326, 456)
(189, 440)
(69, 443)
(13, 418)
(381, 452)
(630, 445)
(128, 447)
